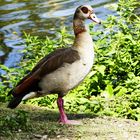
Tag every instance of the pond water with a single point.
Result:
(37, 17)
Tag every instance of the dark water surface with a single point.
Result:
(37, 17)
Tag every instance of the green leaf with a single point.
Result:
(101, 69)
(122, 91)
(108, 93)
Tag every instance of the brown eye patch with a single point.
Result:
(84, 10)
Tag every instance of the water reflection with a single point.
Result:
(37, 18)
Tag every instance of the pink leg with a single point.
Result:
(63, 117)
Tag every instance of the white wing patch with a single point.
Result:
(29, 96)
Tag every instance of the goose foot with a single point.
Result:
(71, 122)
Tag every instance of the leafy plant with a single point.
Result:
(16, 122)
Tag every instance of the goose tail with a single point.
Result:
(14, 102)
(17, 99)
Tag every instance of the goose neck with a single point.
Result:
(79, 26)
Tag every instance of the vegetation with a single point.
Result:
(112, 87)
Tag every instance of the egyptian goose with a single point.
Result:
(61, 70)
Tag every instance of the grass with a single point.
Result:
(42, 124)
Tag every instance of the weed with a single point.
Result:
(15, 122)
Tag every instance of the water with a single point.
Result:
(37, 17)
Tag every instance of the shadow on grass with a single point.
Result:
(42, 122)
(54, 116)
(43, 114)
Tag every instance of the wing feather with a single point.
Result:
(45, 66)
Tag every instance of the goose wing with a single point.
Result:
(45, 66)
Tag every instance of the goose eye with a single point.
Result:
(84, 10)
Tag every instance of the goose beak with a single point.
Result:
(94, 18)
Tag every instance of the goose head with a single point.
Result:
(84, 12)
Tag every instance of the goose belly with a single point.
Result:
(66, 77)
